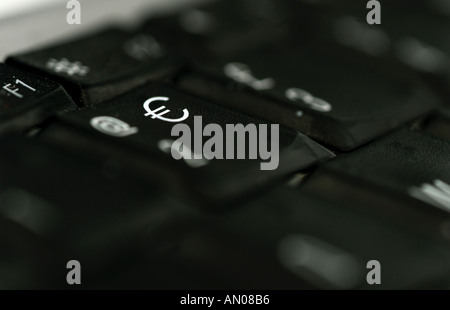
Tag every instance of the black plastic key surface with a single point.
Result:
(419, 21)
(341, 99)
(52, 201)
(439, 124)
(27, 260)
(411, 165)
(222, 27)
(413, 33)
(287, 239)
(102, 65)
(27, 99)
(136, 129)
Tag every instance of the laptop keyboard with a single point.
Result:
(363, 172)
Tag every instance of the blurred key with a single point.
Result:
(92, 212)
(414, 33)
(411, 165)
(224, 26)
(27, 260)
(136, 129)
(439, 124)
(27, 99)
(292, 240)
(105, 64)
(339, 98)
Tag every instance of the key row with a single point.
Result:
(133, 233)
(248, 153)
(341, 100)
(136, 130)
(337, 92)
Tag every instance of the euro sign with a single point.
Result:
(162, 110)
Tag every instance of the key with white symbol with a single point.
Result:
(436, 194)
(410, 166)
(143, 47)
(311, 242)
(113, 126)
(27, 99)
(241, 73)
(309, 88)
(103, 65)
(158, 113)
(15, 90)
(71, 68)
(156, 149)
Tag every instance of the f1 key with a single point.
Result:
(103, 65)
(26, 99)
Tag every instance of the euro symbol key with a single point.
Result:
(159, 112)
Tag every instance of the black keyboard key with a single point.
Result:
(27, 260)
(408, 164)
(136, 128)
(436, 7)
(100, 66)
(439, 125)
(225, 26)
(92, 212)
(401, 36)
(339, 98)
(293, 240)
(26, 99)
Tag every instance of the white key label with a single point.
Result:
(159, 112)
(143, 47)
(113, 127)
(15, 90)
(241, 73)
(68, 67)
(314, 103)
(436, 194)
